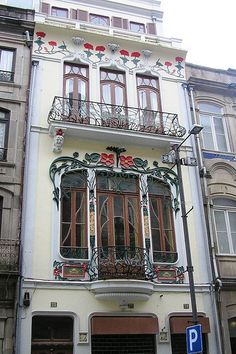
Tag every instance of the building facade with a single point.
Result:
(213, 102)
(16, 27)
(104, 259)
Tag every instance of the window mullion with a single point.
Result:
(228, 228)
(73, 218)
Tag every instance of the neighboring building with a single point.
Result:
(213, 100)
(16, 27)
(104, 261)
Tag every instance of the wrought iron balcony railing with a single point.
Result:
(114, 116)
(74, 252)
(9, 255)
(120, 262)
(6, 76)
(165, 257)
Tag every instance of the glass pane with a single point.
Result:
(153, 101)
(206, 123)
(99, 20)
(119, 96)
(80, 207)
(207, 107)
(81, 90)
(69, 88)
(66, 206)
(218, 124)
(232, 221)
(133, 218)
(106, 93)
(66, 234)
(208, 140)
(137, 27)
(142, 99)
(6, 60)
(76, 180)
(2, 134)
(117, 183)
(221, 231)
(103, 219)
(158, 188)
(221, 142)
(224, 202)
(119, 229)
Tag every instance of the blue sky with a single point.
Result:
(207, 27)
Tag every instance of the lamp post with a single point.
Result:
(193, 131)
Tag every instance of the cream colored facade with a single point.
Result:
(217, 89)
(68, 135)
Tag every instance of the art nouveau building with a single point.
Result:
(16, 26)
(213, 101)
(104, 264)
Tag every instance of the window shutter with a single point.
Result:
(151, 28)
(73, 14)
(82, 15)
(45, 8)
(125, 23)
(117, 22)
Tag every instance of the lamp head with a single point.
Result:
(196, 128)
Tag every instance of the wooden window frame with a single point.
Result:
(77, 77)
(102, 17)
(113, 84)
(111, 236)
(139, 24)
(150, 88)
(54, 10)
(73, 208)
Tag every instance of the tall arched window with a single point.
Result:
(149, 100)
(214, 132)
(224, 213)
(162, 226)
(4, 127)
(76, 90)
(74, 215)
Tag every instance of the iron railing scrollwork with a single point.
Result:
(165, 256)
(120, 262)
(74, 252)
(9, 255)
(6, 76)
(113, 116)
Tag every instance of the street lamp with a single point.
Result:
(178, 162)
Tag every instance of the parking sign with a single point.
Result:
(194, 339)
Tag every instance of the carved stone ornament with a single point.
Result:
(78, 41)
(146, 53)
(113, 47)
(58, 141)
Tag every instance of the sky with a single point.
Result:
(207, 28)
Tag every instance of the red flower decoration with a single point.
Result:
(84, 267)
(52, 43)
(126, 161)
(41, 34)
(100, 48)
(124, 52)
(56, 271)
(59, 132)
(88, 46)
(107, 159)
(179, 59)
(135, 54)
(168, 63)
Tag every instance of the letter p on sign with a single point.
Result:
(194, 339)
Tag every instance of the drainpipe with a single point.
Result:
(28, 114)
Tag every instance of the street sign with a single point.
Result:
(194, 339)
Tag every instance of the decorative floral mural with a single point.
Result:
(90, 53)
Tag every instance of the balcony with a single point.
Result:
(120, 262)
(9, 255)
(78, 117)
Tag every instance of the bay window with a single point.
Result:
(214, 132)
(74, 215)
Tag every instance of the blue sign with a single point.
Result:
(194, 339)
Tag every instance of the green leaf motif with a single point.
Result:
(124, 60)
(138, 162)
(94, 157)
(100, 55)
(88, 53)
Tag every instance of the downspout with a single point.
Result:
(28, 114)
(208, 219)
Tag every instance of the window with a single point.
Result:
(214, 133)
(76, 85)
(6, 64)
(1, 210)
(162, 227)
(137, 27)
(149, 101)
(59, 12)
(113, 94)
(99, 20)
(74, 215)
(118, 208)
(225, 224)
(4, 124)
